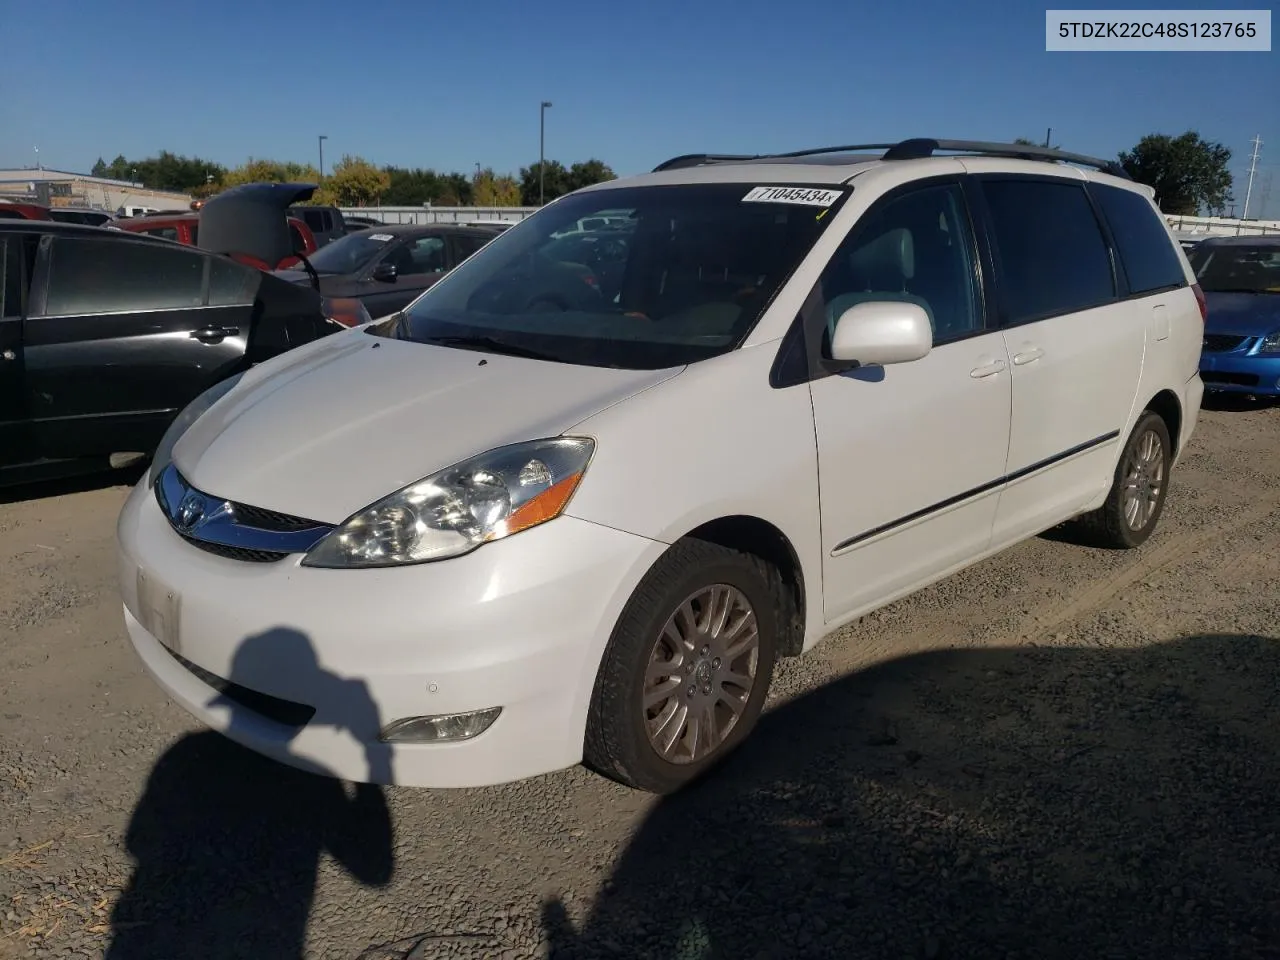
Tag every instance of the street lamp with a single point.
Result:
(321, 139)
(542, 152)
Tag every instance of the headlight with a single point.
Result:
(1270, 343)
(164, 452)
(453, 512)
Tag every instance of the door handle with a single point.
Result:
(987, 369)
(1026, 356)
(214, 334)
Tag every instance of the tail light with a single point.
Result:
(250, 261)
(345, 311)
(1200, 302)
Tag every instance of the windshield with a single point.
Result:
(673, 274)
(351, 253)
(1237, 268)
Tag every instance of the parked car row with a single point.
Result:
(573, 503)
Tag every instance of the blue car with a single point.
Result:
(1240, 277)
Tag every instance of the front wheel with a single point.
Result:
(1138, 490)
(685, 674)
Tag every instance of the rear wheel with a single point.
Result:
(686, 672)
(1133, 507)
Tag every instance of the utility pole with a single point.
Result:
(1253, 169)
(542, 152)
(321, 139)
(1047, 135)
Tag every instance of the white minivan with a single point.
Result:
(573, 503)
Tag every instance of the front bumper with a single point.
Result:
(519, 624)
(1240, 371)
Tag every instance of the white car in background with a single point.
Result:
(555, 512)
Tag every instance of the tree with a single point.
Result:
(1188, 173)
(592, 171)
(557, 182)
(99, 169)
(355, 182)
(490, 190)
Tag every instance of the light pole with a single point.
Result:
(542, 152)
(321, 139)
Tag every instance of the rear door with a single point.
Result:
(123, 334)
(1076, 348)
(17, 256)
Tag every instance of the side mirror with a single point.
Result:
(385, 272)
(880, 332)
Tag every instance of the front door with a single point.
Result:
(1076, 349)
(910, 456)
(419, 264)
(122, 335)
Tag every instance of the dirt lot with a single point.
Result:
(1059, 753)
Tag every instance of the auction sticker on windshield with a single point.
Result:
(806, 196)
(381, 236)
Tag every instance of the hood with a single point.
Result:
(251, 219)
(1242, 314)
(323, 431)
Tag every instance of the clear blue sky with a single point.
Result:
(449, 84)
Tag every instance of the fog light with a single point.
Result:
(445, 727)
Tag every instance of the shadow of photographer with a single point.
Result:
(227, 842)
(1025, 802)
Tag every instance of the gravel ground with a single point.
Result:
(1061, 752)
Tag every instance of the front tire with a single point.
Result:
(1138, 490)
(685, 674)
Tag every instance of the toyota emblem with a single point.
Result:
(190, 510)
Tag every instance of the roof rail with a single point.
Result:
(914, 149)
(918, 148)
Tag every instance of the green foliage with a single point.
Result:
(1188, 173)
(167, 171)
(356, 182)
(560, 181)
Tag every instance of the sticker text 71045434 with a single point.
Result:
(805, 196)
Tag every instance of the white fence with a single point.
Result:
(426, 215)
(1223, 227)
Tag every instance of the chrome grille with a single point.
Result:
(229, 529)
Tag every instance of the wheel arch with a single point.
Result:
(760, 538)
(1168, 407)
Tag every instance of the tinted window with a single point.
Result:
(1143, 241)
(687, 278)
(168, 233)
(350, 253)
(10, 214)
(917, 248)
(1237, 268)
(426, 255)
(466, 245)
(1053, 258)
(10, 294)
(231, 283)
(103, 276)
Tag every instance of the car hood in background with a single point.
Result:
(326, 430)
(1243, 314)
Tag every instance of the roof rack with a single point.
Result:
(913, 149)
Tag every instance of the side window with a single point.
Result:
(168, 233)
(101, 276)
(1053, 257)
(17, 261)
(9, 292)
(466, 245)
(326, 221)
(232, 284)
(427, 255)
(1146, 248)
(314, 219)
(917, 248)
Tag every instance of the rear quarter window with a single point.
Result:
(1053, 256)
(1145, 246)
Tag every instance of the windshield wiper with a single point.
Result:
(491, 345)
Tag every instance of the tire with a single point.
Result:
(618, 741)
(1111, 525)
